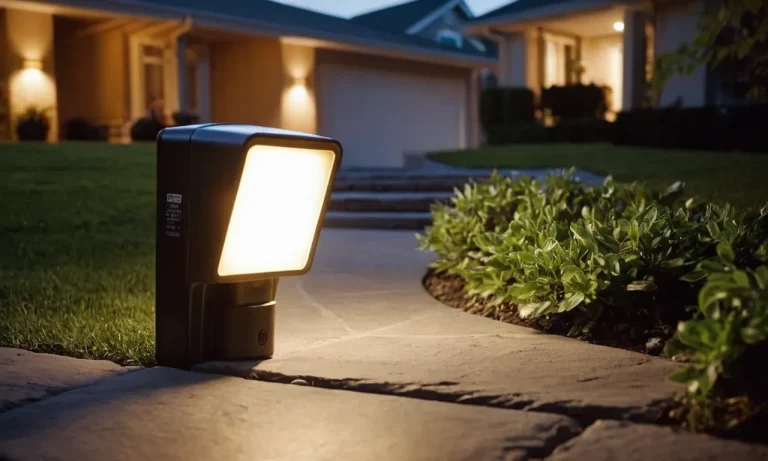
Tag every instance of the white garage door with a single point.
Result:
(380, 115)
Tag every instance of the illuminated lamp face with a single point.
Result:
(289, 185)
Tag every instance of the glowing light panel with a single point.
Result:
(276, 211)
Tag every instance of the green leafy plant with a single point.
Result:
(592, 258)
(732, 38)
(731, 317)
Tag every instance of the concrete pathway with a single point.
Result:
(386, 372)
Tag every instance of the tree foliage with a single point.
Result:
(732, 38)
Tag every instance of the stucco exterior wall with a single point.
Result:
(514, 60)
(91, 73)
(247, 81)
(676, 24)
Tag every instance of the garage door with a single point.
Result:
(380, 115)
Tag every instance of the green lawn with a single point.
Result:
(741, 179)
(77, 250)
(77, 231)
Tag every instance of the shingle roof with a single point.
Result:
(308, 23)
(517, 7)
(399, 18)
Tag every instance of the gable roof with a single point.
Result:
(256, 16)
(402, 17)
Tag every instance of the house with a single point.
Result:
(609, 43)
(442, 21)
(382, 94)
(438, 20)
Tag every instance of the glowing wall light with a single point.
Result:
(238, 207)
(618, 26)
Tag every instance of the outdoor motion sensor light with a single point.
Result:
(238, 206)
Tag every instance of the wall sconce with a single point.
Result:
(32, 64)
(618, 26)
(238, 207)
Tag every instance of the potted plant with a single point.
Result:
(33, 125)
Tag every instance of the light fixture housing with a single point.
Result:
(238, 207)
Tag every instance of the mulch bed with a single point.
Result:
(639, 330)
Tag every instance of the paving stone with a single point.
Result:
(167, 414)
(27, 376)
(361, 320)
(613, 440)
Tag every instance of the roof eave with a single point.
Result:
(483, 23)
(214, 20)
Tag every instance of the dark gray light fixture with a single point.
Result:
(238, 207)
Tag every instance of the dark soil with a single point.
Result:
(639, 331)
(742, 415)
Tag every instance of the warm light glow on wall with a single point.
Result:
(298, 110)
(298, 94)
(33, 64)
(32, 87)
(618, 26)
(276, 211)
(31, 81)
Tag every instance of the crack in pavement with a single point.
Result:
(527, 447)
(51, 392)
(442, 391)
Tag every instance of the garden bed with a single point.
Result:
(621, 266)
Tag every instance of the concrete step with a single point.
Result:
(386, 201)
(402, 183)
(378, 220)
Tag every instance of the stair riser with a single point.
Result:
(393, 224)
(382, 205)
(399, 186)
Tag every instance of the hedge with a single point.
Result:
(730, 128)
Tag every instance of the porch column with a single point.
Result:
(633, 75)
(512, 60)
(181, 73)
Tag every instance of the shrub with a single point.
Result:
(185, 118)
(506, 106)
(585, 256)
(33, 125)
(575, 101)
(146, 129)
(79, 129)
(712, 128)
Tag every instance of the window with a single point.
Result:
(450, 37)
(153, 74)
(559, 59)
(554, 64)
